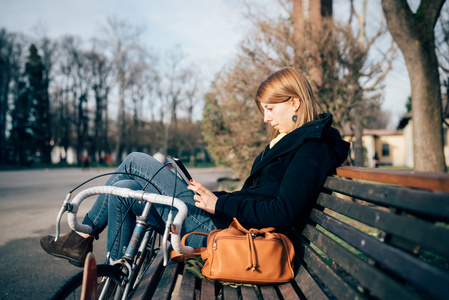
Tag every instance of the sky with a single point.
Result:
(208, 31)
(193, 24)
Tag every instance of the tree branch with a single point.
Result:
(431, 10)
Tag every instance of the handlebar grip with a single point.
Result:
(77, 200)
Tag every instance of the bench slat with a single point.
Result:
(187, 288)
(308, 286)
(149, 282)
(407, 267)
(207, 289)
(417, 202)
(268, 292)
(422, 180)
(167, 282)
(377, 282)
(288, 292)
(230, 293)
(333, 281)
(415, 230)
(248, 293)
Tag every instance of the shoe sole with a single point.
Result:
(71, 260)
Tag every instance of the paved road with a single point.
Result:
(29, 203)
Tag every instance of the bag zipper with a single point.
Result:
(214, 246)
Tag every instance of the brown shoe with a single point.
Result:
(71, 246)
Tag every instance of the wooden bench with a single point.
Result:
(362, 240)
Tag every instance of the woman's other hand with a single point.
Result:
(204, 198)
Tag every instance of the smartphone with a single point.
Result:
(182, 170)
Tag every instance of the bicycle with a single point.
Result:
(118, 278)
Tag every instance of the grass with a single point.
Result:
(353, 223)
(37, 166)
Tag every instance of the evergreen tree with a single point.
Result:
(40, 104)
(10, 71)
(21, 134)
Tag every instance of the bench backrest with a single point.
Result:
(365, 239)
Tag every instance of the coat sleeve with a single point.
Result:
(299, 188)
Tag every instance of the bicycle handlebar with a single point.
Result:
(139, 195)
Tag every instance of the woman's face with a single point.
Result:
(279, 115)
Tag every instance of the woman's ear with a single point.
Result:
(296, 103)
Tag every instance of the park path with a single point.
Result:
(29, 203)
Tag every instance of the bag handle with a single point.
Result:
(236, 224)
(177, 257)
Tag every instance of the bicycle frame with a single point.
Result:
(136, 249)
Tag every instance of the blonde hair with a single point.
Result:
(283, 85)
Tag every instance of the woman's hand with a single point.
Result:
(204, 198)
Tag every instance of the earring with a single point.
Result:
(294, 118)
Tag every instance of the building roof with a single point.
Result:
(347, 131)
(382, 132)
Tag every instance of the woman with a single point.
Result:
(284, 182)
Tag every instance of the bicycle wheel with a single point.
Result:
(71, 289)
(148, 255)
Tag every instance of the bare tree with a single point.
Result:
(137, 90)
(75, 65)
(414, 34)
(101, 70)
(345, 69)
(191, 93)
(350, 80)
(62, 119)
(62, 97)
(190, 139)
(232, 127)
(80, 90)
(48, 49)
(171, 87)
(121, 40)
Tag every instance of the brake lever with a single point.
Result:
(165, 237)
(63, 209)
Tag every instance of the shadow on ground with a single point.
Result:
(27, 272)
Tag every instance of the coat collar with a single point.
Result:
(293, 140)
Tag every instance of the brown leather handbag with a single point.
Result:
(256, 256)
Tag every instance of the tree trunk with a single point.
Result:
(359, 159)
(308, 19)
(4, 92)
(414, 34)
(120, 122)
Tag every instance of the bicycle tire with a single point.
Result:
(71, 289)
(148, 256)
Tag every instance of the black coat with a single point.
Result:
(285, 180)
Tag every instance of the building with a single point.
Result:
(395, 147)
(406, 125)
(382, 147)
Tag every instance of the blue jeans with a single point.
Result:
(111, 211)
